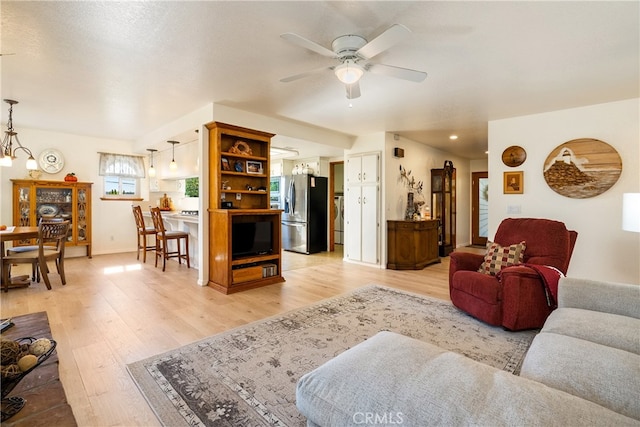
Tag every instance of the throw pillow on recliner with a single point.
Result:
(499, 257)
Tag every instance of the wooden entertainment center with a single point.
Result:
(239, 193)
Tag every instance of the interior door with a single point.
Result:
(479, 208)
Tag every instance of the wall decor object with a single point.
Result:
(513, 182)
(514, 156)
(582, 168)
(398, 152)
(254, 167)
(51, 160)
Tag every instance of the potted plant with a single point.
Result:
(71, 177)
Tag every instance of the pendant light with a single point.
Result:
(152, 170)
(173, 166)
(7, 152)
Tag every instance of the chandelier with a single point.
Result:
(7, 151)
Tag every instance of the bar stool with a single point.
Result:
(143, 231)
(162, 240)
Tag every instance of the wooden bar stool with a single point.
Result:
(162, 240)
(143, 232)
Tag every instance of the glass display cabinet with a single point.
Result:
(34, 200)
(443, 206)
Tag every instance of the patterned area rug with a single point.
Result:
(247, 376)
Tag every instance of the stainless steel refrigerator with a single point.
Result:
(304, 216)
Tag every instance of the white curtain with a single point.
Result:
(121, 165)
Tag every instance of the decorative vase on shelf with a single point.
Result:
(408, 215)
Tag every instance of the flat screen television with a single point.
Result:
(251, 238)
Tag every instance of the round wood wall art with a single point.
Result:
(514, 156)
(582, 168)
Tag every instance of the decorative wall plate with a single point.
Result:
(51, 160)
(582, 168)
(514, 156)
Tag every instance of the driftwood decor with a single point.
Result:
(582, 168)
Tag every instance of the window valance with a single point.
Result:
(112, 164)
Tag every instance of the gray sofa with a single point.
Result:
(583, 368)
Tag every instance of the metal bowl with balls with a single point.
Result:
(17, 359)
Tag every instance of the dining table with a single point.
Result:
(14, 234)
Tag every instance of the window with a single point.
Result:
(122, 175)
(191, 187)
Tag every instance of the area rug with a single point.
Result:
(247, 376)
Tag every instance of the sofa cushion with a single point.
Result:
(612, 330)
(498, 257)
(482, 286)
(604, 375)
(392, 379)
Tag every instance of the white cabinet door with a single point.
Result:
(369, 230)
(362, 238)
(353, 237)
(363, 169)
(354, 170)
(369, 168)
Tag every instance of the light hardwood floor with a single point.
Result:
(115, 310)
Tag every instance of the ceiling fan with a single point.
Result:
(354, 53)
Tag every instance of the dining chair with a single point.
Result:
(143, 232)
(52, 236)
(35, 272)
(163, 237)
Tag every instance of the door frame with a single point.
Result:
(332, 193)
(475, 208)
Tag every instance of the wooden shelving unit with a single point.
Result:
(239, 175)
(36, 199)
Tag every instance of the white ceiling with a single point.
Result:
(124, 69)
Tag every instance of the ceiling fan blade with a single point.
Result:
(308, 44)
(353, 90)
(305, 74)
(397, 72)
(384, 41)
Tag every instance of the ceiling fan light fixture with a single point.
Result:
(349, 72)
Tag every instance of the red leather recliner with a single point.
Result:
(515, 298)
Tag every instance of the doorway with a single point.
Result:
(479, 208)
(336, 205)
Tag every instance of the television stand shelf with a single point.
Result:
(229, 274)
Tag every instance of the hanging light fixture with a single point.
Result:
(152, 170)
(173, 165)
(7, 152)
(349, 72)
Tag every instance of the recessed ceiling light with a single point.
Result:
(453, 137)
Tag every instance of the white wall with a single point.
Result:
(603, 250)
(420, 159)
(113, 226)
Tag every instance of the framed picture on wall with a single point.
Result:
(513, 182)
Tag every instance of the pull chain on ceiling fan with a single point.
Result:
(354, 53)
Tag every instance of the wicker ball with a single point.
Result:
(40, 346)
(10, 370)
(9, 352)
(27, 362)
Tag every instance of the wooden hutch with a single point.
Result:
(239, 194)
(37, 199)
